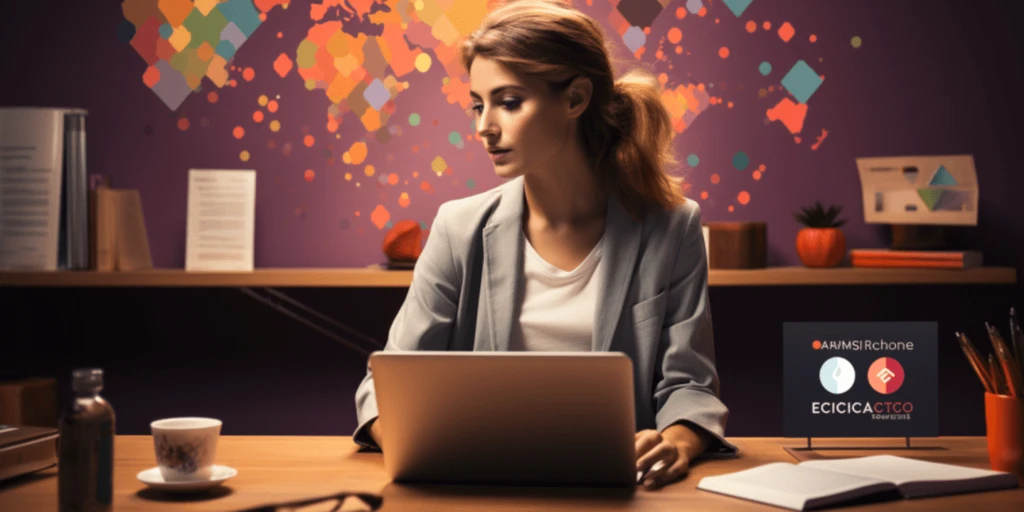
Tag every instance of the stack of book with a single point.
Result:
(887, 258)
(52, 213)
(44, 222)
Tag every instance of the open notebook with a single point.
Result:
(821, 483)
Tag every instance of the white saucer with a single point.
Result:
(154, 479)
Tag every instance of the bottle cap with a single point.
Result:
(87, 380)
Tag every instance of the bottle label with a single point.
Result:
(105, 464)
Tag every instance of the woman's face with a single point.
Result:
(523, 126)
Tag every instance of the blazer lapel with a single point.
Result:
(503, 257)
(621, 245)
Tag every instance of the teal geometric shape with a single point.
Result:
(225, 49)
(765, 68)
(242, 13)
(930, 196)
(801, 81)
(740, 160)
(737, 6)
(166, 30)
(693, 160)
(942, 177)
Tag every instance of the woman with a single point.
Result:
(589, 246)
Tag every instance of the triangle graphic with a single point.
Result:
(942, 177)
(930, 196)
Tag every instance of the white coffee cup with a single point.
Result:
(185, 447)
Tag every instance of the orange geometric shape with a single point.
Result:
(723, 52)
(675, 35)
(380, 216)
(371, 120)
(309, 174)
(743, 197)
(180, 38)
(786, 32)
(791, 114)
(308, 141)
(175, 11)
(248, 74)
(205, 6)
(403, 242)
(205, 52)
(282, 65)
(266, 5)
(151, 77)
(886, 375)
(357, 153)
(272, 106)
(257, 116)
(216, 72)
(751, 26)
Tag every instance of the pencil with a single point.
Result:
(997, 376)
(975, 360)
(1018, 339)
(1007, 361)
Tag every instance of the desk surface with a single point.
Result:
(275, 469)
(375, 277)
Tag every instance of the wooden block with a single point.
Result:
(737, 245)
(31, 401)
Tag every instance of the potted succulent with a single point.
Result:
(820, 243)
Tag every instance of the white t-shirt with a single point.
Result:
(558, 306)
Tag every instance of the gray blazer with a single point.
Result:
(654, 307)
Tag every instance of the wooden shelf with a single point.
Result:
(802, 276)
(375, 277)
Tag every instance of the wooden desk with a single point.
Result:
(375, 277)
(275, 469)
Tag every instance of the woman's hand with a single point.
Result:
(665, 457)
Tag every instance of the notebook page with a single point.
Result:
(898, 470)
(917, 477)
(791, 486)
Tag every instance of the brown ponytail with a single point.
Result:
(626, 130)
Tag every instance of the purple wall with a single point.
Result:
(929, 78)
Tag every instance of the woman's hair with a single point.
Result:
(626, 130)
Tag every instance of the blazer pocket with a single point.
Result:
(653, 307)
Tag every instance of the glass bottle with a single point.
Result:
(85, 469)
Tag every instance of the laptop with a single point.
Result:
(507, 418)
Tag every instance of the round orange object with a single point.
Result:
(403, 242)
(820, 247)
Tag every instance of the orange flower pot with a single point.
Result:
(820, 247)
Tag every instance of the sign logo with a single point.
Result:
(837, 375)
(886, 375)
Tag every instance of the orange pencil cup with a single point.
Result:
(1004, 429)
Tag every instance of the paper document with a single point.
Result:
(221, 219)
(31, 167)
